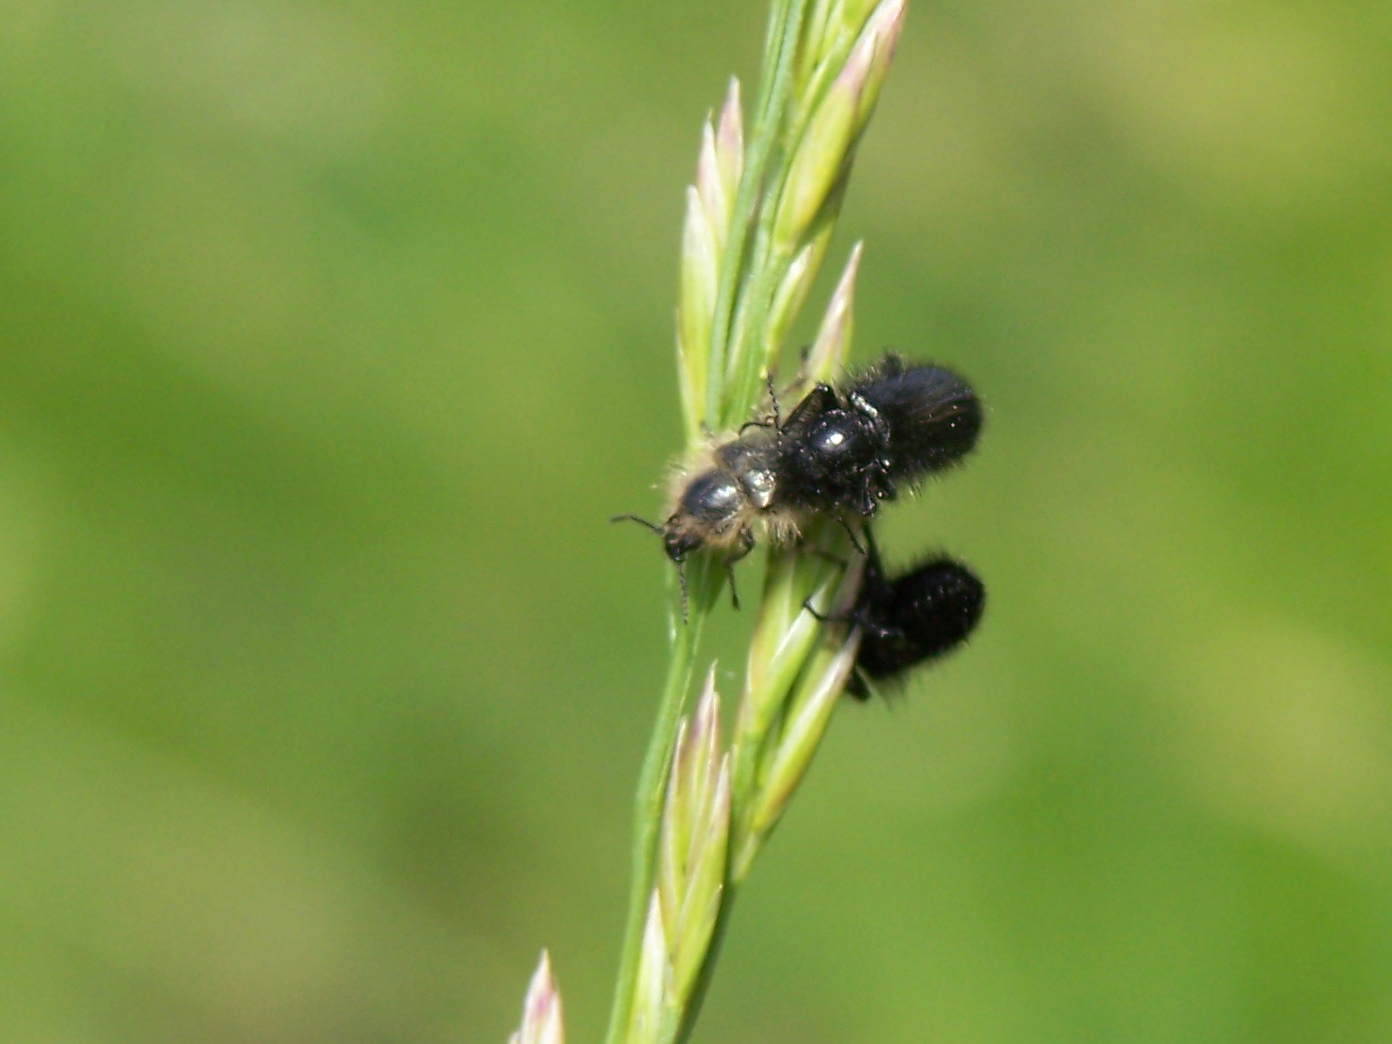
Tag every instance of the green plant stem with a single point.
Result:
(749, 235)
(647, 812)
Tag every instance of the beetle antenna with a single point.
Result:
(641, 521)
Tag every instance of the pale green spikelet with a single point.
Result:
(653, 1016)
(787, 748)
(705, 237)
(696, 831)
(833, 341)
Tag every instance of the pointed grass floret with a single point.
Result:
(542, 1021)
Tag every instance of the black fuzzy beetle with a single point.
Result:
(909, 618)
(842, 452)
(839, 453)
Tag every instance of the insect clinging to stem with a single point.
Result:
(839, 453)
(716, 505)
(907, 619)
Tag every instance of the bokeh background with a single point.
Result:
(334, 332)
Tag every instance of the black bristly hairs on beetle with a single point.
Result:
(842, 452)
(909, 618)
(839, 453)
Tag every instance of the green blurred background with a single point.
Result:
(334, 332)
